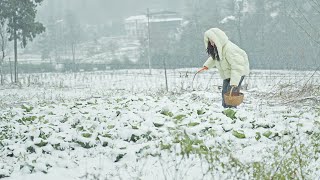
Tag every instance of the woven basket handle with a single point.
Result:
(231, 91)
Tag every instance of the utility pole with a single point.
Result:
(240, 8)
(149, 59)
(165, 74)
(15, 39)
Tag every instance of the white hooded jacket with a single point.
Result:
(233, 62)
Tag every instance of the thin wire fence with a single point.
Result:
(178, 79)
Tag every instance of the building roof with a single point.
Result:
(165, 19)
(161, 16)
(139, 17)
(163, 13)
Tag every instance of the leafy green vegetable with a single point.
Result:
(166, 113)
(26, 108)
(41, 144)
(120, 156)
(258, 136)
(180, 117)
(230, 113)
(85, 144)
(157, 124)
(191, 124)
(267, 134)
(165, 146)
(239, 134)
(110, 126)
(86, 135)
(134, 138)
(200, 112)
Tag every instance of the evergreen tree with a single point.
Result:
(3, 47)
(22, 25)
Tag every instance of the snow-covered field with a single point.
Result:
(124, 125)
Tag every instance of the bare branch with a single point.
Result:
(316, 3)
(315, 29)
(313, 5)
(303, 29)
(304, 17)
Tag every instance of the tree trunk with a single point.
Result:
(1, 64)
(1, 72)
(1, 68)
(3, 54)
(149, 55)
(11, 78)
(238, 22)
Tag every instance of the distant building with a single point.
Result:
(136, 26)
(161, 24)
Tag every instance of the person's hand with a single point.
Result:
(203, 69)
(234, 88)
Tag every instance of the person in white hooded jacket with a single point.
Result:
(230, 60)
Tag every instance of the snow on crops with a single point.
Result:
(122, 124)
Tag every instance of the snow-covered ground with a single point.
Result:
(124, 125)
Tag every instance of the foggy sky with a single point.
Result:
(102, 11)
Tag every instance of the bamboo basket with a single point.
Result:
(233, 98)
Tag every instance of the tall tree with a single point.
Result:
(22, 24)
(73, 34)
(50, 43)
(305, 17)
(3, 46)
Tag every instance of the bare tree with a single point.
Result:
(73, 35)
(308, 22)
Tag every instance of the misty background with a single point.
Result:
(88, 35)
